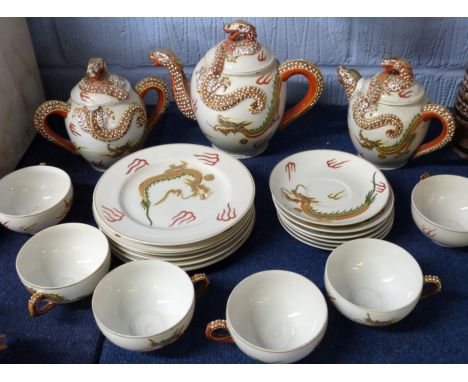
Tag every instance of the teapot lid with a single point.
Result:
(240, 53)
(99, 87)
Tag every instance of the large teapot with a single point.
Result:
(104, 117)
(237, 93)
(388, 115)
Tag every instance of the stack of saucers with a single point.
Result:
(324, 198)
(187, 204)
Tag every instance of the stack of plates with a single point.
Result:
(324, 198)
(187, 204)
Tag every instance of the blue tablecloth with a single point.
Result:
(436, 331)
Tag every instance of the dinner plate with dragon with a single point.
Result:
(174, 194)
(328, 187)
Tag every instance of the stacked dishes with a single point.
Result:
(324, 198)
(187, 204)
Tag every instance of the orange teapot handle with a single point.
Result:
(448, 128)
(157, 84)
(315, 80)
(40, 123)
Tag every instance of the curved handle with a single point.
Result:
(315, 79)
(40, 123)
(202, 280)
(157, 84)
(34, 311)
(3, 345)
(424, 175)
(213, 327)
(433, 285)
(439, 112)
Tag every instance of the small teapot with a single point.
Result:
(388, 115)
(104, 117)
(237, 93)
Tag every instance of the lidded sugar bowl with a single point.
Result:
(237, 92)
(389, 113)
(104, 117)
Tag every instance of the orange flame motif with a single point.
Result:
(84, 97)
(380, 187)
(405, 93)
(112, 214)
(73, 130)
(290, 167)
(429, 232)
(183, 217)
(264, 79)
(98, 164)
(208, 158)
(136, 164)
(261, 56)
(332, 163)
(227, 214)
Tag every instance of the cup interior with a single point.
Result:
(143, 298)
(276, 311)
(443, 199)
(374, 274)
(32, 190)
(62, 255)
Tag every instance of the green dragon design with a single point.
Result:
(400, 147)
(127, 148)
(306, 204)
(192, 178)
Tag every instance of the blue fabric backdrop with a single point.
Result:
(436, 331)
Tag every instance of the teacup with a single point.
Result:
(146, 305)
(62, 264)
(273, 316)
(375, 282)
(34, 198)
(439, 205)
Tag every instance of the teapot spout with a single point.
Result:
(349, 79)
(180, 84)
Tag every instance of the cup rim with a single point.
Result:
(59, 200)
(121, 335)
(281, 351)
(417, 296)
(413, 203)
(45, 288)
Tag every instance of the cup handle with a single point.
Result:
(434, 285)
(40, 123)
(157, 84)
(202, 280)
(213, 327)
(34, 311)
(3, 345)
(424, 175)
(314, 78)
(439, 112)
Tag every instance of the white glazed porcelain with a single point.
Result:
(34, 198)
(237, 92)
(145, 305)
(439, 205)
(274, 316)
(105, 117)
(389, 115)
(62, 264)
(375, 282)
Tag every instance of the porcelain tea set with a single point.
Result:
(183, 207)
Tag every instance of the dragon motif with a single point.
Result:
(397, 148)
(95, 122)
(191, 177)
(99, 80)
(306, 204)
(117, 151)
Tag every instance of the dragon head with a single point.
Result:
(165, 58)
(296, 196)
(394, 65)
(349, 79)
(96, 70)
(240, 30)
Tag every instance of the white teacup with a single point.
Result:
(146, 305)
(62, 264)
(273, 316)
(439, 205)
(375, 282)
(34, 198)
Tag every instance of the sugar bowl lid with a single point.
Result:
(240, 53)
(99, 87)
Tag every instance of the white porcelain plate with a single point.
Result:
(329, 187)
(173, 194)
